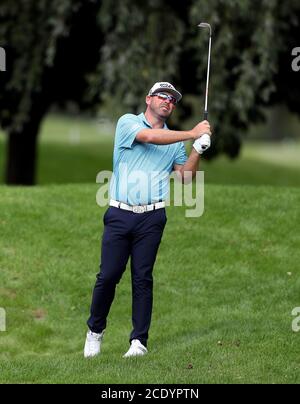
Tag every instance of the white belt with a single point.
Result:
(137, 208)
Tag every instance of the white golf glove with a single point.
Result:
(202, 144)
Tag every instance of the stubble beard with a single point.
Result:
(164, 114)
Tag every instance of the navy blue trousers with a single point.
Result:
(127, 234)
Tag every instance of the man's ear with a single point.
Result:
(148, 99)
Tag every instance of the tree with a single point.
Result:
(128, 45)
(51, 47)
(162, 42)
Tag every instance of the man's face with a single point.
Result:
(160, 105)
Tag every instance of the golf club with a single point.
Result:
(206, 25)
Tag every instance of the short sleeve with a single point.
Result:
(181, 156)
(128, 127)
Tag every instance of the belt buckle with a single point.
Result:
(139, 209)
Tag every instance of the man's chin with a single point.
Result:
(165, 113)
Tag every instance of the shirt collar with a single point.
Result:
(143, 118)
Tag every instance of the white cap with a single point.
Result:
(165, 86)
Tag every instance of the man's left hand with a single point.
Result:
(202, 144)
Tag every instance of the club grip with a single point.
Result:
(205, 115)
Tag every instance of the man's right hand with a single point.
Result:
(200, 129)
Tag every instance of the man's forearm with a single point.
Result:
(163, 136)
(188, 171)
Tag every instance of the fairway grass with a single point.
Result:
(225, 287)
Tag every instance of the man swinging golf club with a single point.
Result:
(135, 221)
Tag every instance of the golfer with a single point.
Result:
(145, 154)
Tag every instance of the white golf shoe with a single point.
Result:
(92, 345)
(136, 349)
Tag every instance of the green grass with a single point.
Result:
(75, 150)
(225, 284)
(222, 277)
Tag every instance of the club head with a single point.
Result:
(205, 25)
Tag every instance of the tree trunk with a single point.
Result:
(21, 155)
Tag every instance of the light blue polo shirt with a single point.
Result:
(141, 170)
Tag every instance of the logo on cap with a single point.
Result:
(166, 85)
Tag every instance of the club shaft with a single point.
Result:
(207, 80)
